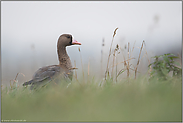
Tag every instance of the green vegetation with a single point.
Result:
(135, 100)
(155, 97)
(163, 67)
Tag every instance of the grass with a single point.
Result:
(133, 98)
(136, 100)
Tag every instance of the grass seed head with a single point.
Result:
(115, 32)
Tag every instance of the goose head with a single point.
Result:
(67, 40)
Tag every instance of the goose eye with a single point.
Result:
(68, 36)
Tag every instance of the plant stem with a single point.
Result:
(107, 69)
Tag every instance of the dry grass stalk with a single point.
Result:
(77, 79)
(103, 44)
(128, 61)
(116, 68)
(138, 60)
(119, 73)
(75, 76)
(15, 80)
(121, 62)
(133, 48)
(113, 62)
(134, 70)
(124, 61)
(75, 70)
(107, 69)
(82, 65)
(18, 74)
(117, 49)
(115, 57)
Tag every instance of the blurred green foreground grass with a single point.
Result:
(133, 100)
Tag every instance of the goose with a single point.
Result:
(60, 72)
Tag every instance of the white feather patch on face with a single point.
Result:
(72, 38)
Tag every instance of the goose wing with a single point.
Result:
(46, 74)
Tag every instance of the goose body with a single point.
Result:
(55, 73)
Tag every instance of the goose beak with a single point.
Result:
(74, 42)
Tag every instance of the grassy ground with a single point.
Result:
(87, 99)
(133, 100)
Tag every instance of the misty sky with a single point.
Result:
(30, 29)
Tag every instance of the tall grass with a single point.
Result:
(126, 101)
(136, 99)
(107, 69)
